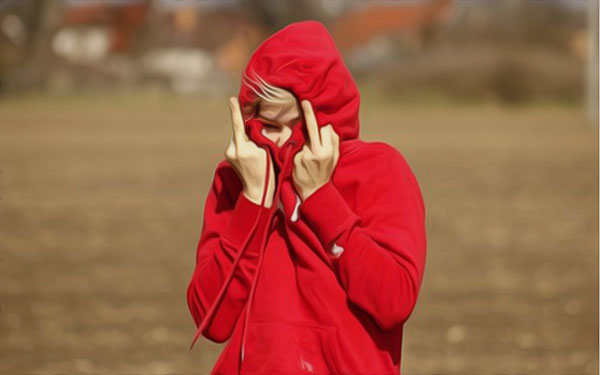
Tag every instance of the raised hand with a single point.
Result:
(315, 162)
(249, 160)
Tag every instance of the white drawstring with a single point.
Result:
(294, 216)
(337, 250)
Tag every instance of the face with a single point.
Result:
(278, 120)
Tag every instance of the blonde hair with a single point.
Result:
(267, 93)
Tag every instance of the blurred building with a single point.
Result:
(512, 51)
(369, 34)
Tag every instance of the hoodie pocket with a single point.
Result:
(278, 347)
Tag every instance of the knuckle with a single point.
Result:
(230, 152)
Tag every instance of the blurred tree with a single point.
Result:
(24, 39)
(548, 23)
(274, 14)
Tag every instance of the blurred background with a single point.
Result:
(113, 119)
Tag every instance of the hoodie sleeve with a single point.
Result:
(228, 218)
(377, 249)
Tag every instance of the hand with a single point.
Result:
(315, 162)
(249, 160)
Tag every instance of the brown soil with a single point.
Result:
(101, 208)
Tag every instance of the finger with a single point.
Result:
(329, 138)
(311, 125)
(230, 153)
(298, 158)
(237, 122)
(336, 147)
(326, 136)
(331, 142)
(334, 136)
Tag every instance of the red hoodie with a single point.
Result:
(319, 286)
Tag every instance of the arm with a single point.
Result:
(232, 209)
(383, 242)
(228, 218)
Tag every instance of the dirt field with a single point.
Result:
(100, 212)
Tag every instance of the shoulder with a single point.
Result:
(374, 164)
(373, 154)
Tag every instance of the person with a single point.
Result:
(313, 244)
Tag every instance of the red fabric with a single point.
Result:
(273, 287)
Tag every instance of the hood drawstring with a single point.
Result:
(287, 161)
(217, 300)
(209, 315)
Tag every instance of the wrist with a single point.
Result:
(306, 192)
(328, 213)
(255, 195)
(252, 196)
(240, 226)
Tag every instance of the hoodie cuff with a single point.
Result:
(328, 213)
(245, 214)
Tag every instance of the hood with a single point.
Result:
(303, 59)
